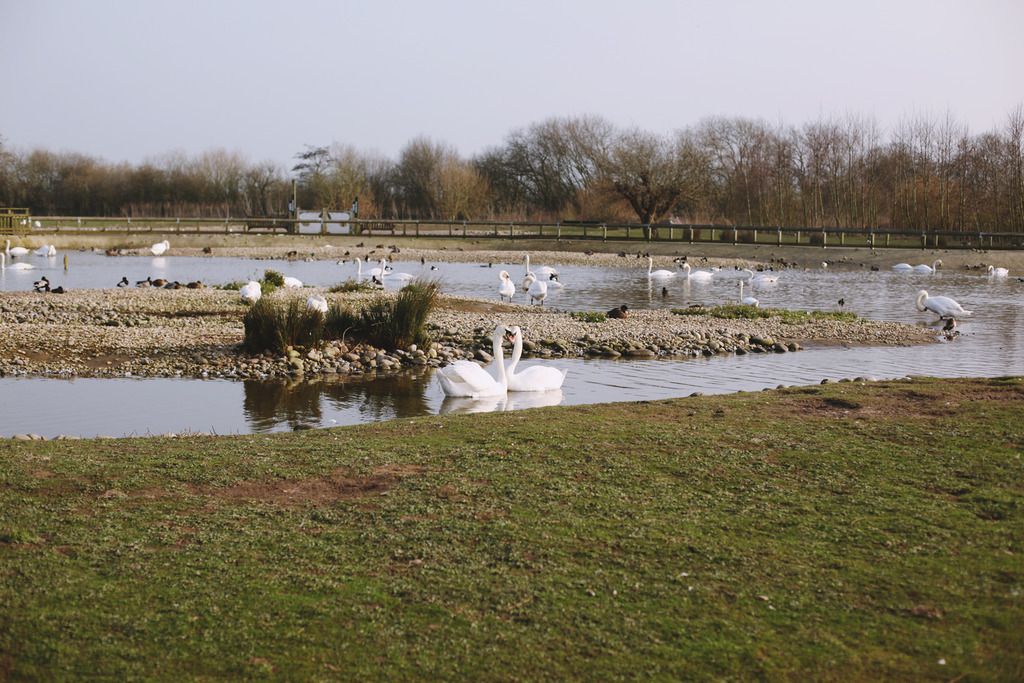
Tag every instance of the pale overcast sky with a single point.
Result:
(127, 80)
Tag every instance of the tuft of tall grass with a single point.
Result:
(270, 326)
(384, 322)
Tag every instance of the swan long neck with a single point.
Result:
(650, 264)
(3, 262)
(517, 353)
(921, 296)
(499, 354)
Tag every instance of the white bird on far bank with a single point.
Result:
(159, 248)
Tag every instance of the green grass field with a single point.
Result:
(841, 532)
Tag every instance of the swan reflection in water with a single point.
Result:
(505, 402)
(306, 403)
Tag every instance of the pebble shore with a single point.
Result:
(197, 333)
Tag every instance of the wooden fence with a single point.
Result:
(23, 224)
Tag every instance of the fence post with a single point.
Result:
(627, 231)
(463, 229)
(780, 236)
(735, 234)
(604, 232)
(842, 239)
(584, 231)
(824, 239)
(691, 234)
(449, 228)
(558, 230)
(924, 240)
(511, 231)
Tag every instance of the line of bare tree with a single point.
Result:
(927, 173)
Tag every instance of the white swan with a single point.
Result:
(507, 288)
(659, 274)
(392, 277)
(535, 377)
(15, 251)
(697, 275)
(998, 272)
(538, 291)
(747, 300)
(540, 270)
(760, 279)
(942, 306)
(14, 266)
(373, 272)
(292, 282)
(315, 302)
(160, 247)
(903, 267)
(924, 268)
(465, 378)
(251, 292)
(46, 250)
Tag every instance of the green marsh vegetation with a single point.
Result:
(743, 311)
(845, 531)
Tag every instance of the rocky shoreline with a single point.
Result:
(197, 333)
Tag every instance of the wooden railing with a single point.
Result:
(11, 220)
(22, 223)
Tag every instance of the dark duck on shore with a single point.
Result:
(620, 312)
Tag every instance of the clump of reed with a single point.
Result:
(273, 326)
(384, 322)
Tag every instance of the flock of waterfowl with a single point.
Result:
(535, 284)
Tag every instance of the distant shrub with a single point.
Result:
(271, 326)
(589, 316)
(272, 277)
(231, 286)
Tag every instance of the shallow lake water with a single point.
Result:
(990, 343)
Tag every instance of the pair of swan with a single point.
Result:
(920, 268)
(13, 266)
(159, 248)
(942, 306)
(46, 250)
(466, 379)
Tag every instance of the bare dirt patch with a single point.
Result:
(339, 485)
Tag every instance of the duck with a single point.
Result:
(196, 284)
(123, 282)
(159, 282)
(619, 313)
(148, 282)
(57, 290)
(41, 285)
